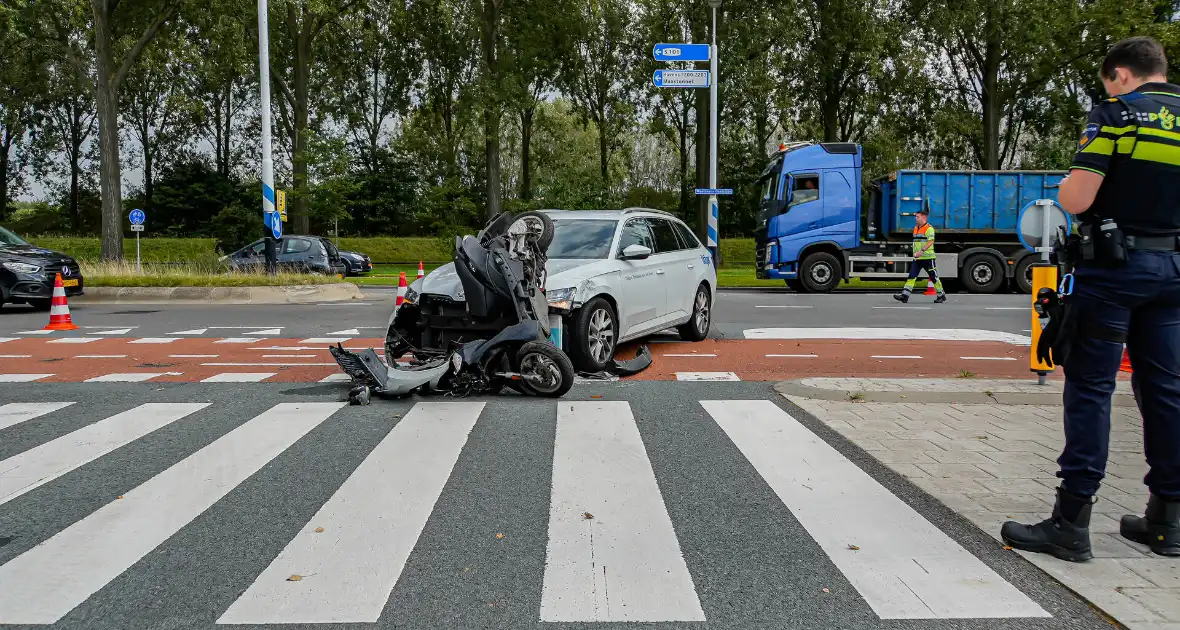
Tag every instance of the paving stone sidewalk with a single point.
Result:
(993, 462)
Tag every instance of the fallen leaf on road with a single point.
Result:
(499, 536)
(319, 530)
(981, 437)
(587, 515)
(1007, 548)
(120, 496)
(596, 395)
(854, 547)
(903, 395)
(295, 578)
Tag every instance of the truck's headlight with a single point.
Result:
(21, 267)
(560, 299)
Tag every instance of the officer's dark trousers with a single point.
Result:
(1142, 300)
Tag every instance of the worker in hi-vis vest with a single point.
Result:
(923, 258)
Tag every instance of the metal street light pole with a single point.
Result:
(714, 228)
(268, 177)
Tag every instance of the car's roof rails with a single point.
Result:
(663, 212)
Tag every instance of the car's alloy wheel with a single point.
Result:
(697, 326)
(601, 336)
(594, 333)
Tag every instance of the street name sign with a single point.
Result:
(681, 52)
(681, 78)
(714, 191)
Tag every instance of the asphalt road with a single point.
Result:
(135, 539)
(735, 312)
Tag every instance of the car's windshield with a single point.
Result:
(581, 238)
(8, 238)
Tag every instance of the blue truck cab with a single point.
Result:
(819, 224)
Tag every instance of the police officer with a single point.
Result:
(1125, 186)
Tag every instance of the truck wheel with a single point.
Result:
(796, 285)
(982, 274)
(1022, 278)
(820, 273)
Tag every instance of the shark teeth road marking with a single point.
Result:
(264, 333)
(130, 377)
(116, 331)
(238, 340)
(155, 340)
(239, 377)
(195, 331)
(74, 340)
(22, 378)
(327, 340)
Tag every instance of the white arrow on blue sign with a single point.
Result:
(137, 217)
(681, 52)
(714, 191)
(274, 221)
(681, 78)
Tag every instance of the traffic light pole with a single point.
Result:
(268, 178)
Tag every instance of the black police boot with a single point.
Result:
(1159, 528)
(1065, 534)
(902, 297)
(940, 299)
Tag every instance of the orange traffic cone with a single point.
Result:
(1126, 364)
(401, 289)
(59, 311)
(421, 271)
(930, 288)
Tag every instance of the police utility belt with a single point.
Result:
(1103, 243)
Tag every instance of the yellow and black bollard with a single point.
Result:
(1043, 275)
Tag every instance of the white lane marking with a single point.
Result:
(155, 340)
(792, 356)
(22, 378)
(935, 334)
(895, 356)
(1008, 308)
(16, 356)
(370, 526)
(129, 377)
(905, 568)
(239, 377)
(7, 339)
(116, 331)
(351, 332)
(51, 579)
(193, 356)
(907, 308)
(288, 356)
(688, 355)
(328, 340)
(623, 562)
(785, 306)
(988, 358)
(266, 332)
(266, 364)
(289, 349)
(707, 376)
(238, 340)
(13, 414)
(40, 465)
(107, 327)
(195, 331)
(337, 378)
(101, 356)
(74, 340)
(36, 332)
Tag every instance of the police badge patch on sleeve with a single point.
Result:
(1088, 136)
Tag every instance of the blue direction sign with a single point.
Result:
(681, 78)
(714, 191)
(681, 52)
(137, 217)
(275, 222)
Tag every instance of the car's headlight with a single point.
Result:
(21, 267)
(561, 299)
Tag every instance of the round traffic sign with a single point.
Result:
(137, 217)
(1030, 224)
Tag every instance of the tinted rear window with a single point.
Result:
(582, 238)
(666, 240)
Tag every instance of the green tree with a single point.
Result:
(155, 108)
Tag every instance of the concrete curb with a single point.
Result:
(920, 393)
(338, 292)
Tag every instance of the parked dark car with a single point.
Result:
(27, 273)
(355, 263)
(300, 254)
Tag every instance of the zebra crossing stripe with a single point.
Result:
(369, 527)
(13, 414)
(905, 567)
(37, 466)
(48, 581)
(612, 554)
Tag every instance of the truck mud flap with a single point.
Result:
(365, 368)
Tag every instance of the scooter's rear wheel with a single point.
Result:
(545, 371)
(536, 222)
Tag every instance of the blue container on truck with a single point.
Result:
(815, 230)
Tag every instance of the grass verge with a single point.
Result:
(190, 275)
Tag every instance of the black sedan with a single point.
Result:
(27, 273)
(355, 263)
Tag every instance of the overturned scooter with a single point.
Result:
(502, 271)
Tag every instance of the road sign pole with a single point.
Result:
(714, 232)
(268, 179)
(138, 263)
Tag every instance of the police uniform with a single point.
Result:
(1133, 141)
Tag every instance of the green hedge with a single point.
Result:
(734, 251)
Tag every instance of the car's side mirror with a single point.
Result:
(636, 252)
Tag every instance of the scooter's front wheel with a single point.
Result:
(537, 223)
(544, 370)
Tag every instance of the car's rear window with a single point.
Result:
(582, 238)
(8, 238)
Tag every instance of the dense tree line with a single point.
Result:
(417, 117)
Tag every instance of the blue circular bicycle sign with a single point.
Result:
(137, 217)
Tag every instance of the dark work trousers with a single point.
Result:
(1142, 300)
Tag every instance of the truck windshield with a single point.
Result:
(8, 238)
(582, 238)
